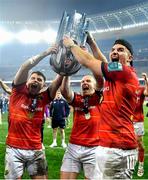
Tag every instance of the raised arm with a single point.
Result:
(22, 74)
(67, 108)
(6, 88)
(144, 75)
(83, 57)
(65, 89)
(95, 49)
(54, 86)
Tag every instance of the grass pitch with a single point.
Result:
(54, 155)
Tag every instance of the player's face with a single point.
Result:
(120, 54)
(35, 83)
(88, 85)
(58, 95)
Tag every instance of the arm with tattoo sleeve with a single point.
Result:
(6, 88)
(22, 74)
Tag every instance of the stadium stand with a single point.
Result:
(130, 23)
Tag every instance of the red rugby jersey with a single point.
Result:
(25, 126)
(138, 114)
(85, 131)
(116, 127)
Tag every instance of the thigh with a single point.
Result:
(88, 161)
(115, 163)
(37, 164)
(54, 123)
(127, 164)
(71, 162)
(62, 124)
(68, 175)
(14, 163)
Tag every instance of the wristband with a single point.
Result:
(71, 46)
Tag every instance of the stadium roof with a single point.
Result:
(103, 25)
(133, 20)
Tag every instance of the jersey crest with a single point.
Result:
(114, 66)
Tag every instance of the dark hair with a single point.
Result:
(127, 45)
(39, 73)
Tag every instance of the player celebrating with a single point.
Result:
(116, 154)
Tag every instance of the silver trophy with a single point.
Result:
(75, 26)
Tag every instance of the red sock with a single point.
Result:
(141, 154)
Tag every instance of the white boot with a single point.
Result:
(140, 172)
(64, 145)
(54, 144)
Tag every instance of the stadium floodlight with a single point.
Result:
(49, 36)
(135, 25)
(29, 36)
(5, 36)
(106, 30)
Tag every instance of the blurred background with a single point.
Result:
(28, 27)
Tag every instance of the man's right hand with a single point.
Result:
(144, 75)
(68, 42)
(52, 49)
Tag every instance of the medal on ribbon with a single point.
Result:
(86, 109)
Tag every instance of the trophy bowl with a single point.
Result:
(64, 63)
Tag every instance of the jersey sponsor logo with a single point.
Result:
(81, 109)
(27, 107)
(114, 66)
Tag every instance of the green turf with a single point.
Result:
(54, 156)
